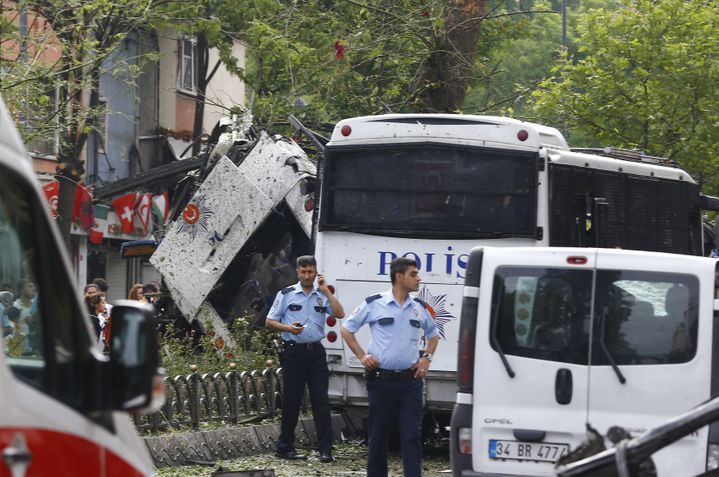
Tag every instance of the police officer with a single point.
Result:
(299, 313)
(394, 365)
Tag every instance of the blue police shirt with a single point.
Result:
(396, 330)
(292, 304)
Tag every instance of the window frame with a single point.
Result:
(596, 318)
(328, 191)
(191, 55)
(51, 275)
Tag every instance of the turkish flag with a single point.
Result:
(143, 211)
(125, 209)
(82, 210)
(51, 191)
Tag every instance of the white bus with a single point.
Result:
(433, 186)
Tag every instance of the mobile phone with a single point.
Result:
(320, 280)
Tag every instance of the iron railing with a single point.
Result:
(232, 397)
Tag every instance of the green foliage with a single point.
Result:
(253, 350)
(521, 46)
(647, 80)
(292, 54)
(48, 67)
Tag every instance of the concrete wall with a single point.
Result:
(168, 71)
(177, 108)
(225, 89)
(117, 89)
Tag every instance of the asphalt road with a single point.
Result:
(350, 461)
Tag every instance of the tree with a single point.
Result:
(336, 59)
(522, 47)
(211, 23)
(52, 80)
(647, 80)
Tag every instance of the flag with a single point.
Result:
(124, 207)
(51, 191)
(143, 211)
(82, 211)
(161, 208)
(98, 231)
(339, 51)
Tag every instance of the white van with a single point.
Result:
(553, 339)
(63, 405)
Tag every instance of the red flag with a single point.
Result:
(339, 51)
(51, 190)
(82, 210)
(124, 208)
(143, 210)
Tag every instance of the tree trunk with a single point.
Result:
(445, 75)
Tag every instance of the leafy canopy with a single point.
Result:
(647, 80)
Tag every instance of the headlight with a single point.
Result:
(713, 457)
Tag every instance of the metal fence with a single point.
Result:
(233, 397)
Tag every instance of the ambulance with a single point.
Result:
(63, 404)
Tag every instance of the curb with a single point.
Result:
(192, 447)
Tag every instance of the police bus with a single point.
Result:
(433, 186)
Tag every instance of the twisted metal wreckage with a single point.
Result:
(240, 217)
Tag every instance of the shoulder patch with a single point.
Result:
(285, 291)
(372, 298)
(424, 305)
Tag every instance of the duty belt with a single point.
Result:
(296, 345)
(389, 374)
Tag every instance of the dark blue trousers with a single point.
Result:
(395, 401)
(302, 366)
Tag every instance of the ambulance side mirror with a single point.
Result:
(136, 383)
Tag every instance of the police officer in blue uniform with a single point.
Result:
(299, 313)
(394, 365)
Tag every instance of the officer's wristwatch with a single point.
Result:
(428, 356)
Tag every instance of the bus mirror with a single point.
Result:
(135, 383)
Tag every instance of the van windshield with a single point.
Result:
(430, 190)
(641, 317)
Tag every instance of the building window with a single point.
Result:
(188, 74)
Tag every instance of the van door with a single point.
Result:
(651, 348)
(47, 371)
(531, 377)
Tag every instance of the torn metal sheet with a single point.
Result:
(228, 207)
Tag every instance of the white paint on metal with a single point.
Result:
(227, 208)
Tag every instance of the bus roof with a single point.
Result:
(594, 161)
(489, 131)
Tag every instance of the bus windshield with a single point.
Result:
(430, 190)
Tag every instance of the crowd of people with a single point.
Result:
(19, 319)
(99, 309)
(18, 315)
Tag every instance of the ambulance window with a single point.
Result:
(40, 331)
(646, 317)
(19, 299)
(543, 313)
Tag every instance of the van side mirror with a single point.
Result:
(135, 382)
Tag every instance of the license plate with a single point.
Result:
(532, 451)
